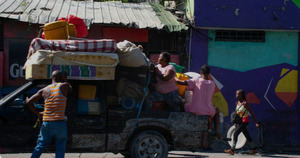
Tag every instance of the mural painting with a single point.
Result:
(268, 73)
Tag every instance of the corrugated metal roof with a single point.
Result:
(139, 15)
(168, 19)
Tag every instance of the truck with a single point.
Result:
(107, 125)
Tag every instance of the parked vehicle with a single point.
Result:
(109, 128)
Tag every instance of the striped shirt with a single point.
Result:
(55, 104)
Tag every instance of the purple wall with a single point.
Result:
(199, 49)
(254, 14)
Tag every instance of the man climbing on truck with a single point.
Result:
(54, 125)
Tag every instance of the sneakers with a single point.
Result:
(229, 151)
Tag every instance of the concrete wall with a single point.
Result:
(278, 48)
(249, 14)
(267, 71)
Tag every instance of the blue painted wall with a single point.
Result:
(278, 48)
(267, 71)
(254, 14)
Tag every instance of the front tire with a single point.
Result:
(149, 144)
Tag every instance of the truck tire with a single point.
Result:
(148, 144)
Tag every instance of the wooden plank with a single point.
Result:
(105, 13)
(5, 6)
(98, 12)
(73, 8)
(35, 15)
(113, 13)
(132, 19)
(13, 11)
(22, 8)
(56, 11)
(89, 12)
(65, 9)
(122, 14)
(81, 9)
(46, 11)
(2, 2)
(137, 13)
(26, 16)
(149, 14)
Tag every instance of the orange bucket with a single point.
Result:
(56, 30)
(181, 88)
(72, 30)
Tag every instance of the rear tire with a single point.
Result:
(148, 144)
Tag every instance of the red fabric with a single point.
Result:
(79, 25)
(245, 119)
(43, 35)
(104, 45)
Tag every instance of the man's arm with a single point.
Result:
(66, 88)
(37, 96)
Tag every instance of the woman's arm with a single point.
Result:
(167, 76)
(252, 114)
(181, 82)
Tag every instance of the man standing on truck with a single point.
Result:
(54, 121)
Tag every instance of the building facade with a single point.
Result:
(251, 45)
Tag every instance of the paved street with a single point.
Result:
(173, 154)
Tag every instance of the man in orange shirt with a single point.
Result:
(54, 121)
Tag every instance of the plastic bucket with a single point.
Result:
(181, 88)
(72, 30)
(56, 30)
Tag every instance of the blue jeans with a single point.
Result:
(52, 130)
(172, 99)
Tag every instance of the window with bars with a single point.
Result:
(243, 36)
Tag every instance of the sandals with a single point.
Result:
(229, 151)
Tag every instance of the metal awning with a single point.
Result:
(137, 15)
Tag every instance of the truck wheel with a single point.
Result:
(149, 144)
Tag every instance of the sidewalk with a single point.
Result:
(173, 154)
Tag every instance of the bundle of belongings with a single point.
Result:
(80, 59)
(132, 74)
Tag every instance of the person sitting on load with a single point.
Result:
(165, 89)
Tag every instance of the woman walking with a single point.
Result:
(243, 109)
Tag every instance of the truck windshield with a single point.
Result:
(10, 97)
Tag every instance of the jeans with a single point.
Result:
(52, 130)
(172, 99)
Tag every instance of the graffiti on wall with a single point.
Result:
(266, 95)
(287, 86)
(268, 73)
(218, 99)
